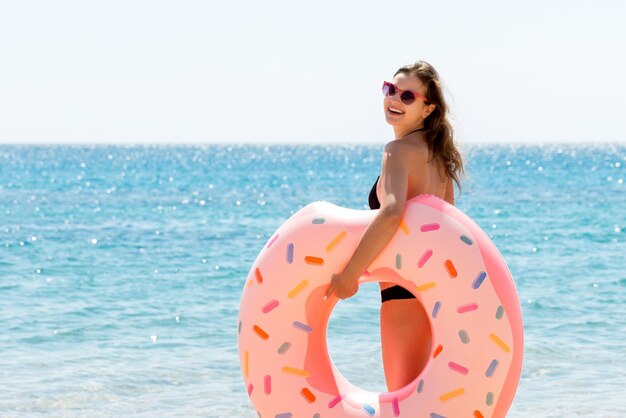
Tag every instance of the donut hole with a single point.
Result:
(356, 340)
(353, 338)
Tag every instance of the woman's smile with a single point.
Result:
(394, 112)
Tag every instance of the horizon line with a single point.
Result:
(305, 143)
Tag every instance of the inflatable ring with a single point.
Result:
(441, 256)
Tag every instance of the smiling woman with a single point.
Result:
(423, 159)
(444, 287)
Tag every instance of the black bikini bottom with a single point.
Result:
(395, 292)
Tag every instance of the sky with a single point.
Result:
(181, 72)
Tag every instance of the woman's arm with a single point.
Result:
(394, 186)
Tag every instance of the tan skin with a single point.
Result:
(406, 172)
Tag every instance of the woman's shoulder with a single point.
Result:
(408, 149)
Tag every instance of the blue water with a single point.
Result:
(121, 270)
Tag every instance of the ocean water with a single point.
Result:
(121, 271)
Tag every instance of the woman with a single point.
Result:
(422, 159)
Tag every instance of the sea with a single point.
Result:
(122, 268)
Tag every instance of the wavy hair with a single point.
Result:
(439, 133)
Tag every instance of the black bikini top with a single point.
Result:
(373, 199)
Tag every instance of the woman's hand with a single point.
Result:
(343, 285)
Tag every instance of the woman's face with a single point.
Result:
(412, 115)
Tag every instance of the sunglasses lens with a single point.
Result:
(389, 89)
(407, 97)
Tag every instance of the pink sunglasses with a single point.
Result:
(407, 96)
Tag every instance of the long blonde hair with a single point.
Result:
(439, 132)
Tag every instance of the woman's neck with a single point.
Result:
(402, 133)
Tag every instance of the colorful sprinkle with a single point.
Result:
(489, 398)
(257, 273)
(452, 394)
(284, 415)
(239, 330)
(250, 387)
(257, 329)
(424, 258)
(272, 241)
(290, 253)
(284, 347)
(317, 261)
(477, 414)
(316, 415)
(369, 410)
(303, 327)
(319, 220)
(404, 228)
(434, 415)
(429, 227)
(420, 386)
(465, 339)
(294, 292)
(458, 368)
(335, 401)
(466, 239)
(297, 372)
(492, 368)
(467, 308)
(436, 309)
(398, 261)
(501, 343)
(396, 407)
(336, 240)
(500, 312)
(267, 384)
(425, 286)
(438, 350)
(308, 395)
(479, 280)
(451, 270)
(269, 306)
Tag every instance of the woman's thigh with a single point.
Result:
(406, 340)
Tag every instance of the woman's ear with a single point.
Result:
(428, 110)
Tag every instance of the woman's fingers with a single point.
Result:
(340, 288)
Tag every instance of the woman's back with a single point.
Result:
(426, 175)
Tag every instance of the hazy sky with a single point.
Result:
(305, 72)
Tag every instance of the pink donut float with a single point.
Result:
(439, 254)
